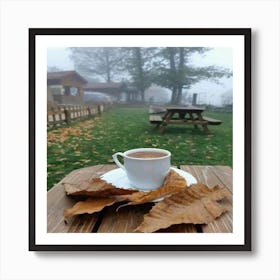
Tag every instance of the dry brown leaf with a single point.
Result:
(173, 183)
(96, 188)
(104, 194)
(90, 206)
(174, 179)
(196, 204)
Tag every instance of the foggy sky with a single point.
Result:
(209, 91)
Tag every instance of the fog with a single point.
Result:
(208, 92)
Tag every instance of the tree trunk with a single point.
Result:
(180, 75)
(142, 96)
(108, 68)
(179, 95)
(194, 99)
(172, 52)
(174, 95)
(139, 65)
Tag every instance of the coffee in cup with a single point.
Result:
(146, 168)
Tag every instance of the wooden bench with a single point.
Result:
(212, 121)
(181, 115)
(155, 119)
(156, 110)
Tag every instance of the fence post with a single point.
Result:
(89, 111)
(53, 114)
(67, 115)
(100, 109)
(194, 99)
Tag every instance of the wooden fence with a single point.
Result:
(64, 114)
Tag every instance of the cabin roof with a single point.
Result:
(96, 86)
(60, 75)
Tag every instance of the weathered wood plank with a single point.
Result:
(55, 197)
(57, 201)
(156, 110)
(212, 121)
(222, 224)
(84, 223)
(126, 219)
(182, 228)
(155, 119)
(211, 176)
(158, 119)
(224, 175)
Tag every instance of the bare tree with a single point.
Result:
(96, 63)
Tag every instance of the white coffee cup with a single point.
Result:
(145, 173)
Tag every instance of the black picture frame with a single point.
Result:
(246, 32)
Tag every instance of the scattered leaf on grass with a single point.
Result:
(85, 160)
(58, 172)
(82, 129)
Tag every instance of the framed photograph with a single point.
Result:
(140, 139)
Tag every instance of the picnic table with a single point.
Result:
(182, 115)
(128, 218)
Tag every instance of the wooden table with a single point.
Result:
(185, 115)
(128, 218)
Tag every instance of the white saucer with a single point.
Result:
(118, 178)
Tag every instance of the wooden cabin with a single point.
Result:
(65, 87)
(114, 90)
(119, 92)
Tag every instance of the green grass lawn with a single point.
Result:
(93, 141)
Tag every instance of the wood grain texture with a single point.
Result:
(127, 218)
(182, 228)
(57, 201)
(211, 176)
(83, 224)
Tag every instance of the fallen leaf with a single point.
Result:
(95, 187)
(104, 194)
(196, 204)
(79, 130)
(90, 206)
(172, 184)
